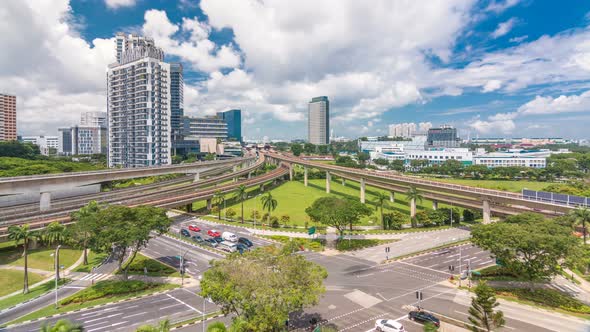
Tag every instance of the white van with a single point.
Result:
(227, 236)
(228, 246)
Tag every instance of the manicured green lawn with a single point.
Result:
(514, 186)
(12, 280)
(33, 292)
(546, 298)
(154, 268)
(102, 292)
(40, 258)
(94, 259)
(293, 198)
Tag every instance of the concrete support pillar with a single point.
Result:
(487, 213)
(328, 179)
(392, 197)
(45, 202)
(262, 187)
(249, 175)
(435, 205)
(189, 207)
(290, 172)
(305, 176)
(412, 208)
(197, 177)
(343, 182)
(362, 190)
(235, 168)
(236, 179)
(209, 204)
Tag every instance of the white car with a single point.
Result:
(388, 325)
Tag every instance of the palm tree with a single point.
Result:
(54, 233)
(269, 203)
(62, 325)
(218, 199)
(413, 195)
(254, 214)
(23, 233)
(241, 194)
(381, 200)
(581, 216)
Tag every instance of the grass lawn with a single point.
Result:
(33, 292)
(293, 198)
(39, 258)
(94, 259)
(102, 292)
(154, 268)
(506, 185)
(12, 280)
(248, 224)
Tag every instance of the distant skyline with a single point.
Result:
(491, 68)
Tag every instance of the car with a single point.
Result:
(210, 242)
(217, 239)
(245, 241)
(213, 233)
(184, 232)
(242, 247)
(228, 236)
(228, 246)
(197, 238)
(424, 317)
(194, 228)
(388, 325)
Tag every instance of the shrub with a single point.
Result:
(547, 297)
(274, 222)
(230, 213)
(108, 288)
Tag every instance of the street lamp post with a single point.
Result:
(55, 258)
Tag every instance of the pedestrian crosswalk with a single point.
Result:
(96, 276)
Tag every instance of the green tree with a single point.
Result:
(218, 200)
(128, 230)
(423, 219)
(337, 212)
(282, 282)
(230, 213)
(269, 203)
(483, 313)
(296, 149)
(54, 233)
(163, 326)
(437, 217)
(210, 156)
(309, 148)
(85, 221)
(381, 200)
(363, 157)
(581, 216)
(254, 215)
(413, 195)
(395, 220)
(62, 325)
(240, 194)
(24, 234)
(285, 219)
(533, 249)
(216, 327)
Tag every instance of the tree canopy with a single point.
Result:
(263, 286)
(528, 245)
(126, 228)
(337, 212)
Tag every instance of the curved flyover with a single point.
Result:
(489, 200)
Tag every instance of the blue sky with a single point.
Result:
(489, 67)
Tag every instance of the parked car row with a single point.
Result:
(225, 241)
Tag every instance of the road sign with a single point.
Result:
(387, 249)
(311, 230)
(419, 295)
(451, 268)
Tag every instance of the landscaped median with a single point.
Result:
(318, 245)
(154, 268)
(545, 298)
(425, 251)
(102, 292)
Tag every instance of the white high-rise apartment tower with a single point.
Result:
(318, 122)
(94, 119)
(138, 104)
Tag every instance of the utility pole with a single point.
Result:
(55, 258)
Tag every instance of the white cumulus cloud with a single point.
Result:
(114, 4)
(504, 27)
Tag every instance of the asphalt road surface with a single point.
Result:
(127, 316)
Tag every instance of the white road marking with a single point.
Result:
(191, 307)
(137, 314)
(170, 306)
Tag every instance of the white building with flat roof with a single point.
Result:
(520, 158)
(45, 143)
(318, 121)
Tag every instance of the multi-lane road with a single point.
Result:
(359, 290)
